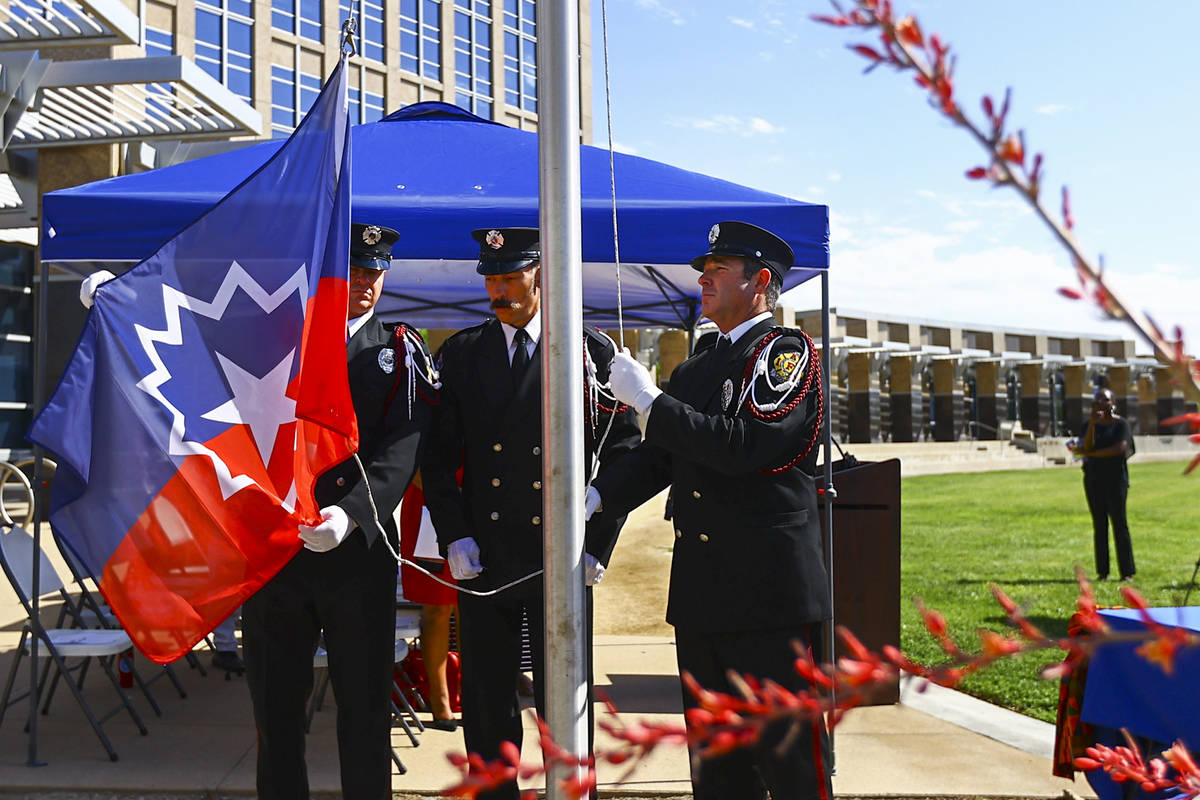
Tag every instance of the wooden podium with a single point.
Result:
(866, 555)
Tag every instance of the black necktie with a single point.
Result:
(520, 359)
(721, 349)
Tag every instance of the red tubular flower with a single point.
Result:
(1070, 294)
(837, 22)
(910, 32)
(1012, 149)
(1068, 220)
(977, 173)
(866, 52)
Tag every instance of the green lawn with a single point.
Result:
(1026, 531)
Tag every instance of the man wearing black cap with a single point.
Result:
(342, 585)
(735, 438)
(489, 421)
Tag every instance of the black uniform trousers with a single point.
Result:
(1106, 491)
(801, 770)
(349, 593)
(490, 653)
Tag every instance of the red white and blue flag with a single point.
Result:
(208, 392)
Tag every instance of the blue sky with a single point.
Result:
(756, 93)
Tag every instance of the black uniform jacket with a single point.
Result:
(390, 439)
(494, 431)
(748, 550)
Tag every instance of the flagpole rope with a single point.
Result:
(402, 560)
(612, 172)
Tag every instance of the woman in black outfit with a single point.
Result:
(1106, 443)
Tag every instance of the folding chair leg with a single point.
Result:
(399, 764)
(107, 664)
(407, 706)
(53, 684)
(174, 679)
(12, 674)
(137, 678)
(404, 724)
(195, 664)
(87, 711)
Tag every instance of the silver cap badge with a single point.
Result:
(372, 234)
(495, 239)
(714, 233)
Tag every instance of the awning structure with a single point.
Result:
(30, 24)
(120, 100)
(435, 172)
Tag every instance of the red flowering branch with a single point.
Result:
(722, 722)
(904, 47)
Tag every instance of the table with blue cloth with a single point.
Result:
(1124, 690)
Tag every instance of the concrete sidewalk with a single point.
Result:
(934, 744)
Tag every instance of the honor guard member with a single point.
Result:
(490, 421)
(735, 437)
(342, 585)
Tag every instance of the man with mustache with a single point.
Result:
(342, 584)
(489, 420)
(735, 437)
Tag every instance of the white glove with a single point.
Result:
(463, 555)
(330, 533)
(632, 383)
(591, 503)
(89, 285)
(593, 570)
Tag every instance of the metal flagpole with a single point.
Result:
(830, 490)
(562, 365)
(38, 499)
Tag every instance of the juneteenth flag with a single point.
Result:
(207, 393)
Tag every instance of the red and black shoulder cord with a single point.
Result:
(813, 379)
(400, 347)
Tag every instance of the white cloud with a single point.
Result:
(658, 8)
(1050, 109)
(815, 191)
(742, 23)
(731, 124)
(907, 272)
(766, 55)
(833, 176)
(962, 225)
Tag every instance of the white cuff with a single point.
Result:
(645, 399)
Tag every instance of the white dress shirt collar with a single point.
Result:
(741, 330)
(533, 328)
(355, 325)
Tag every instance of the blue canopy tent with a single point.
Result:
(434, 173)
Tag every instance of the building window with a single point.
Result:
(291, 98)
(159, 43)
(366, 105)
(299, 17)
(368, 41)
(16, 344)
(520, 55)
(473, 56)
(421, 37)
(224, 43)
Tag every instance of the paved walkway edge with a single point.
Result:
(1017, 730)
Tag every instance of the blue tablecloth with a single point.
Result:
(1125, 690)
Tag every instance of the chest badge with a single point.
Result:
(387, 360)
(726, 393)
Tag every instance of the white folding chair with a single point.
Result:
(59, 644)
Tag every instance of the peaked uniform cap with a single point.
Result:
(504, 250)
(371, 246)
(748, 241)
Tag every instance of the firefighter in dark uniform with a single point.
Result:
(735, 437)
(342, 584)
(489, 421)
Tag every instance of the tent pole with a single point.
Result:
(38, 498)
(830, 491)
(560, 219)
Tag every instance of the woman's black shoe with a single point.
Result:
(443, 724)
(229, 661)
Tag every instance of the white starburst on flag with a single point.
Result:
(174, 300)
